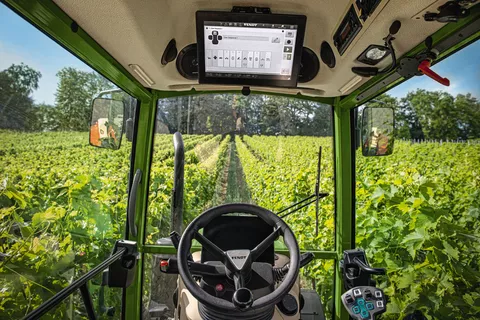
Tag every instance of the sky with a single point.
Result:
(21, 42)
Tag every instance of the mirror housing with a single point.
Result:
(377, 131)
(107, 123)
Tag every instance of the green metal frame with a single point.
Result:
(51, 20)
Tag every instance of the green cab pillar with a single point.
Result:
(344, 171)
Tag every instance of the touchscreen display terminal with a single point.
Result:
(250, 52)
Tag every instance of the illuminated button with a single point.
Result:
(370, 306)
(219, 287)
(357, 292)
(378, 294)
(356, 310)
(379, 304)
(361, 302)
(365, 314)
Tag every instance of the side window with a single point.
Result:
(417, 210)
(62, 201)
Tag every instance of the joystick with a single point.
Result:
(364, 302)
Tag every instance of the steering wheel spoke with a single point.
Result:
(267, 242)
(211, 247)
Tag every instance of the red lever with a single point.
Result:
(424, 67)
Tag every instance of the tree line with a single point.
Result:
(419, 115)
(253, 114)
(73, 99)
(433, 115)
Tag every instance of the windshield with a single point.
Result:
(256, 149)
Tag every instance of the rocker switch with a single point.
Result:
(349, 299)
(368, 294)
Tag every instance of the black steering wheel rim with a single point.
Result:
(267, 216)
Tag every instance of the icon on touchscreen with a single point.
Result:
(215, 37)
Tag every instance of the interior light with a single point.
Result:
(376, 53)
(142, 74)
(373, 54)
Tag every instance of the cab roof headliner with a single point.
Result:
(137, 32)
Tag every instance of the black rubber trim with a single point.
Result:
(132, 201)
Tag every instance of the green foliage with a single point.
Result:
(417, 216)
(280, 171)
(63, 205)
(74, 97)
(200, 179)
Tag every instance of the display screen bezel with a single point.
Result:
(298, 20)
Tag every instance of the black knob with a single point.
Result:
(288, 306)
(243, 298)
(395, 27)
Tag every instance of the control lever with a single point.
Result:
(306, 258)
(356, 270)
(367, 268)
(420, 64)
(424, 66)
(279, 273)
(175, 237)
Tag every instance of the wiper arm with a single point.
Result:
(295, 207)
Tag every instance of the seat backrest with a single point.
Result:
(238, 232)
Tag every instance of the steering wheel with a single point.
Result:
(238, 263)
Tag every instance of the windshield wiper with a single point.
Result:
(295, 207)
(316, 197)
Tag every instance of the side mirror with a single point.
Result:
(106, 127)
(377, 131)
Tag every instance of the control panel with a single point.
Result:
(347, 31)
(364, 302)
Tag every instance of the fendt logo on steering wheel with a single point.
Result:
(239, 257)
